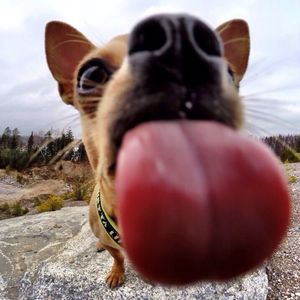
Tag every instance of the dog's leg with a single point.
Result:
(99, 246)
(116, 275)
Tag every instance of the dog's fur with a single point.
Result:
(67, 51)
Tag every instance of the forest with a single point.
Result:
(18, 152)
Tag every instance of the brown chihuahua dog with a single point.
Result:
(123, 83)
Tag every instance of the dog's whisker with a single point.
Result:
(266, 116)
(278, 89)
(71, 117)
(90, 103)
(261, 101)
(265, 105)
(255, 130)
(73, 122)
(262, 115)
(39, 151)
(261, 68)
(90, 83)
(65, 151)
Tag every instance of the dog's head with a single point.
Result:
(169, 67)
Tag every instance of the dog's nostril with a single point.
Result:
(175, 47)
(150, 36)
(203, 38)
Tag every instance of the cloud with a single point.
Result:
(28, 95)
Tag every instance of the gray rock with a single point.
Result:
(28, 242)
(52, 256)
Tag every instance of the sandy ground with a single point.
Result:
(11, 191)
(39, 181)
(284, 267)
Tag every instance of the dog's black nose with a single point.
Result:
(181, 44)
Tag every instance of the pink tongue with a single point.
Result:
(198, 201)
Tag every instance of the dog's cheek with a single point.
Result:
(110, 106)
(231, 95)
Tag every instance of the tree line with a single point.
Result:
(17, 152)
(286, 147)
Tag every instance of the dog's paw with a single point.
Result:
(115, 278)
(99, 247)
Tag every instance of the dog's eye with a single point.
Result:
(230, 75)
(230, 72)
(92, 74)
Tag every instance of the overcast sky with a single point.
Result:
(28, 94)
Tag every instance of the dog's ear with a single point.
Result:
(65, 47)
(236, 41)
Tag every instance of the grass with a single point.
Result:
(4, 207)
(7, 170)
(13, 210)
(51, 204)
(292, 178)
(81, 189)
(20, 179)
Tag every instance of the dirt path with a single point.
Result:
(11, 191)
(284, 268)
(39, 181)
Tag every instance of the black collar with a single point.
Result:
(108, 224)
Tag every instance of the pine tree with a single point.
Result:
(30, 143)
(81, 153)
(15, 140)
(63, 141)
(49, 150)
(69, 137)
(6, 138)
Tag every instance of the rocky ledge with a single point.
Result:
(52, 256)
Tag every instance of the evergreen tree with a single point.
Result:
(63, 141)
(69, 137)
(30, 143)
(6, 138)
(16, 132)
(7, 131)
(16, 139)
(14, 142)
(48, 135)
(49, 149)
(80, 154)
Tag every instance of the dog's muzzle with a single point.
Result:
(178, 69)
